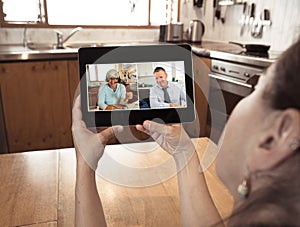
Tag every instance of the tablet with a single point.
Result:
(119, 85)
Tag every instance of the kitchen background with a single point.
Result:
(285, 28)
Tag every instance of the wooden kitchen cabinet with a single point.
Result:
(201, 67)
(73, 74)
(206, 61)
(36, 104)
(204, 94)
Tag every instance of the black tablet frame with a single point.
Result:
(135, 54)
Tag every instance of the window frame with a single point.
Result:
(45, 24)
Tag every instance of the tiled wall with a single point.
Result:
(285, 16)
(41, 35)
(283, 31)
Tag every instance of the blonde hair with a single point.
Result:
(112, 73)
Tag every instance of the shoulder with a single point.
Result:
(121, 86)
(103, 87)
(155, 88)
(174, 85)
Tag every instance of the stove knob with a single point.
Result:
(223, 69)
(246, 74)
(215, 67)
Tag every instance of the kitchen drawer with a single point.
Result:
(36, 105)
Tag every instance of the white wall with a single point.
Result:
(283, 31)
(42, 35)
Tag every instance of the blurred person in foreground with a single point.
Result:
(258, 160)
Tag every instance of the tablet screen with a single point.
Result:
(129, 84)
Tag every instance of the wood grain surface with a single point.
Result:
(28, 188)
(37, 188)
(36, 105)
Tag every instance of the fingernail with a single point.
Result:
(121, 129)
(147, 124)
(118, 129)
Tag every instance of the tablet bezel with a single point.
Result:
(135, 54)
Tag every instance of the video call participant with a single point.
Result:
(113, 94)
(165, 93)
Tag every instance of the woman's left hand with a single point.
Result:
(89, 146)
(172, 138)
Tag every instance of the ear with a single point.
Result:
(281, 140)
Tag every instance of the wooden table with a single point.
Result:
(37, 189)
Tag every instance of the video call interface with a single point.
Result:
(135, 86)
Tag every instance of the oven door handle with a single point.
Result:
(223, 78)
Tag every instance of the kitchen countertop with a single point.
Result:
(210, 49)
(232, 53)
(37, 188)
(10, 53)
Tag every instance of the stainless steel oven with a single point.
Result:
(235, 78)
(229, 83)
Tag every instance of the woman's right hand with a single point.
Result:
(89, 145)
(171, 138)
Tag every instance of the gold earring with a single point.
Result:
(243, 189)
(295, 144)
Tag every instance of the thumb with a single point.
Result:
(152, 127)
(109, 133)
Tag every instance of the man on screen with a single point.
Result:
(164, 93)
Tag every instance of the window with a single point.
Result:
(89, 12)
(22, 11)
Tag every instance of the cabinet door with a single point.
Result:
(201, 86)
(206, 61)
(73, 71)
(36, 105)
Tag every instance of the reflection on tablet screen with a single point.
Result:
(136, 86)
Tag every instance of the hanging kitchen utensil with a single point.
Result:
(257, 48)
(266, 14)
(204, 7)
(252, 13)
(214, 11)
(198, 3)
(256, 25)
(223, 13)
(248, 14)
(226, 2)
(243, 18)
(218, 11)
